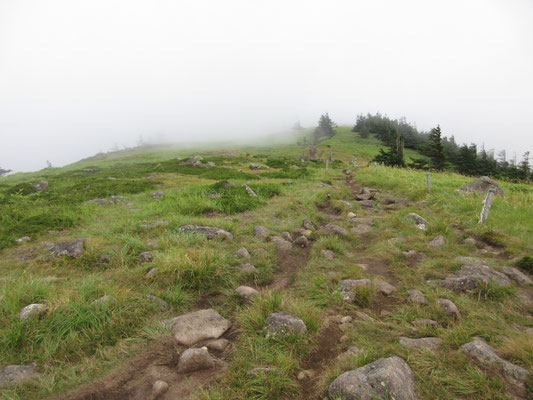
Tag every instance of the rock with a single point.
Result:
(287, 236)
(307, 224)
(117, 199)
(450, 309)
(396, 240)
(32, 311)
(367, 203)
(420, 222)
(261, 231)
(424, 323)
(307, 233)
(416, 297)
(410, 253)
(243, 253)
(334, 229)
(351, 215)
(194, 360)
(218, 345)
(346, 320)
(469, 277)
(150, 274)
(157, 195)
(437, 242)
(328, 254)
(517, 276)
(154, 224)
(386, 378)
(471, 260)
(346, 203)
(301, 241)
(159, 388)
(364, 317)
(162, 302)
(41, 185)
(13, 374)
(281, 243)
(104, 299)
(146, 256)
(365, 221)
(199, 325)
(258, 166)
(361, 229)
(104, 258)
(98, 201)
(364, 196)
(482, 353)
(470, 240)
(427, 343)
(385, 288)
(352, 351)
(482, 185)
(246, 292)
(248, 268)
(251, 193)
(348, 285)
(282, 324)
(23, 239)
(388, 200)
(209, 232)
(73, 248)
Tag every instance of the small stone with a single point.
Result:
(328, 254)
(150, 274)
(146, 256)
(367, 203)
(157, 195)
(439, 241)
(425, 323)
(307, 224)
(364, 317)
(307, 233)
(348, 285)
(420, 222)
(352, 215)
(362, 267)
(104, 259)
(346, 320)
(282, 244)
(218, 345)
(243, 253)
(416, 297)
(209, 232)
(428, 343)
(32, 311)
(396, 240)
(410, 253)
(118, 199)
(13, 374)
(162, 302)
(301, 376)
(74, 248)
(159, 388)
(23, 239)
(362, 229)
(247, 293)
(104, 299)
(386, 288)
(194, 360)
(366, 221)
(334, 229)
(470, 241)
(248, 268)
(287, 236)
(352, 351)
(249, 190)
(449, 308)
(281, 323)
(301, 241)
(261, 231)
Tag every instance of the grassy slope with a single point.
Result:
(76, 341)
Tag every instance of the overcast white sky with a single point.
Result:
(77, 76)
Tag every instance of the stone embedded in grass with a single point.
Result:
(248, 268)
(159, 388)
(367, 203)
(146, 256)
(384, 378)
(41, 185)
(364, 317)
(396, 240)
(14, 374)
(282, 324)
(32, 311)
(450, 309)
(243, 253)
(249, 190)
(157, 195)
(282, 244)
(482, 185)
(301, 241)
(73, 248)
(346, 203)
(150, 274)
(361, 229)
(154, 224)
(439, 241)
(416, 297)
(104, 299)
(199, 325)
(366, 221)
(427, 343)
(388, 200)
(517, 276)
(334, 229)
(162, 302)
(352, 351)
(258, 166)
(246, 292)
(364, 196)
(385, 288)
(118, 199)
(472, 260)
(287, 236)
(348, 285)
(192, 360)
(328, 254)
(261, 231)
(420, 222)
(307, 224)
(209, 232)
(351, 215)
(469, 277)
(482, 353)
(424, 323)
(98, 201)
(23, 239)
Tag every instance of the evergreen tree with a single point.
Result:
(436, 149)
(394, 156)
(4, 171)
(365, 133)
(326, 128)
(525, 167)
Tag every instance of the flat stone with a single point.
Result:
(195, 360)
(517, 276)
(469, 277)
(282, 244)
(73, 248)
(367, 203)
(23, 239)
(32, 311)
(386, 378)
(248, 268)
(482, 185)
(450, 309)
(352, 351)
(471, 260)
(199, 325)
(209, 232)
(218, 345)
(361, 229)
(416, 297)
(13, 374)
(146, 256)
(150, 274)
(439, 241)
(334, 229)
(328, 254)
(364, 317)
(282, 324)
(348, 285)
(243, 253)
(118, 199)
(385, 288)
(420, 222)
(428, 343)
(396, 240)
(246, 292)
(261, 231)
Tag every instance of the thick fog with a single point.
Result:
(78, 77)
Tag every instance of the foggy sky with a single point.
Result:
(78, 76)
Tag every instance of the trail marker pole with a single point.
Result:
(375, 166)
(428, 179)
(354, 161)
(487, 204)
(327, 165)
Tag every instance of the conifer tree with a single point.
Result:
(436, 149)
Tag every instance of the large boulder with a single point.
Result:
(482, 185)
(386, 378)
(13, 374)
(470, 276)
(200, 325)
(282, 324)
(73, 248)
(209, 232)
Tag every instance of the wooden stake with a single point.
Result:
(487, 205)
(327, 165)
(375, 166)
(428, 179)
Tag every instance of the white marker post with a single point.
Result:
(487, 205)
(327, 165)
(375, 166)
(428, 179)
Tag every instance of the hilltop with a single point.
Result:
(290, 276)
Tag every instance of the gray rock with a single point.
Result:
(471, 240)
(200, 325)
(258, 166)
(393, 200)
(218, 344)
(352, 351)
(301, 241)
(364, 196)
(424, 323)
(146, 256)
(334, 229)
(439, 241)
(162, 302)
(517, 276)
(104, 258)
(386, 378)
(13, 374)
(195, 360)
(154, 224)
(282, 244)
(385, 288)
(248, 268)
(482, 353)
(420, 222)
(328, 254)
(73, 248)
(427, 343)
(348, 285)
(246, 292)
(470, 277)
(41, 185)
(450, 309)
(243, 253)
(482, 185)
(282, 324)
(472, 260)
(23, 239)
(118, 199)
(251, 193)
(209, 232)
(367, 203)
(361, 229)
(159, 388)
(32, 311)
(150, 274)
(213, 195)
(307, 224)
(104, 299)
(396, 240)
(416, 297)
(261, 231)
(157, 195)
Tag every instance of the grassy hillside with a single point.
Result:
(75, 340)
